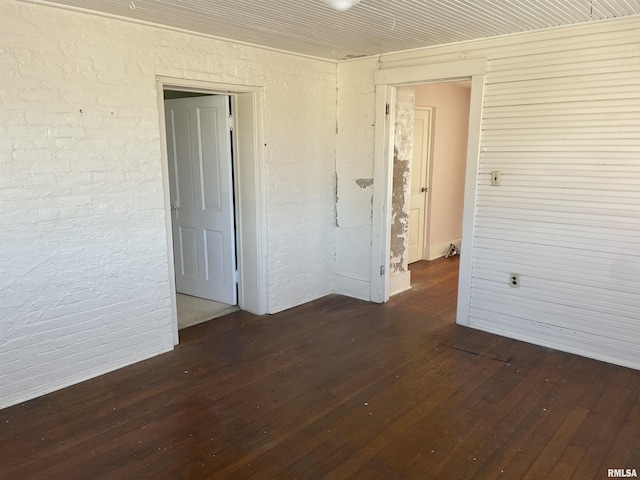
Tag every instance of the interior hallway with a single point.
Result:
(337, 388)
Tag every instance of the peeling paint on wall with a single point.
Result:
(364, 182)
(402, 155)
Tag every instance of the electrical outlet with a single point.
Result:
(496, 178)
(514, 280)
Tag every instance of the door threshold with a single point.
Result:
(195, 310)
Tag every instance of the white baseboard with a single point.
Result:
(440, 249)
(399, 283)
(352, 287)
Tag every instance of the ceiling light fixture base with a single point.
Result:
(341, 5)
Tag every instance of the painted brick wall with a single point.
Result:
(85, 285)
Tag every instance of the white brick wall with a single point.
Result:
(84, 286)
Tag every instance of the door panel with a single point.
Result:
(419, 183)
(414, 233)
(200, 178)
(188, 251)
(208, 122)
(214, 260)
(183, 171)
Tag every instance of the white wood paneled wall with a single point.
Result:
(561, 121)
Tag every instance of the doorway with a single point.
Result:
(245, 218)
(430, 141)
(438, 169)
(387, 81)
(200, 159)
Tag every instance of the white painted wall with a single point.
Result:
(560, 120)
(85, 284)
(354, 172)
(449, 157)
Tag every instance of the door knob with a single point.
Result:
(424, 189)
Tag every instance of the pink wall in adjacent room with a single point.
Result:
(451, 123)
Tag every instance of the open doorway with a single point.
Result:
(430, 144)
(247, 224)
(439, 162)
(388, 83)
(199, 133)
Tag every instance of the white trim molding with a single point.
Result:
(400, 282)
(439, 250)
(445, 71)
(250, 184)
(386, 82)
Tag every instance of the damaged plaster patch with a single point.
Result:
(402, 157)
(364, 182)
(399, 216)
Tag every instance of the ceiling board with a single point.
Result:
(309, 27)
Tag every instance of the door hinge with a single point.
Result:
(381, 270)
(231, 123)
(386, 109)
(236, 276)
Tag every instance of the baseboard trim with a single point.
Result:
(399, 283)
(353, 287)
(440, 249)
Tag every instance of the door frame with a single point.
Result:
(249, 189)
(424, 248)
(386, 81)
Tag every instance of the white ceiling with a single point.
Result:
(371, 27)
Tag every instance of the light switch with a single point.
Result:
(496, 178)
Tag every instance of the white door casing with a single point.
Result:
(418, 204)
(201, 195)
(386, 81)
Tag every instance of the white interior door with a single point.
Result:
(419, 183)
(200, 180)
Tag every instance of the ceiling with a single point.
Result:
(310, 27)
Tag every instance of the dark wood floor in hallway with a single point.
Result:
(337, 389)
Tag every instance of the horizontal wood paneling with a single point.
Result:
(563, 126)
(561, 121)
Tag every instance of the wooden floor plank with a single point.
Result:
(518, 409)
(408, 416)
(604, 423)
(337, 389)
(557, 445)
(568, 462)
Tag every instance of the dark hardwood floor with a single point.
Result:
(337, 389)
